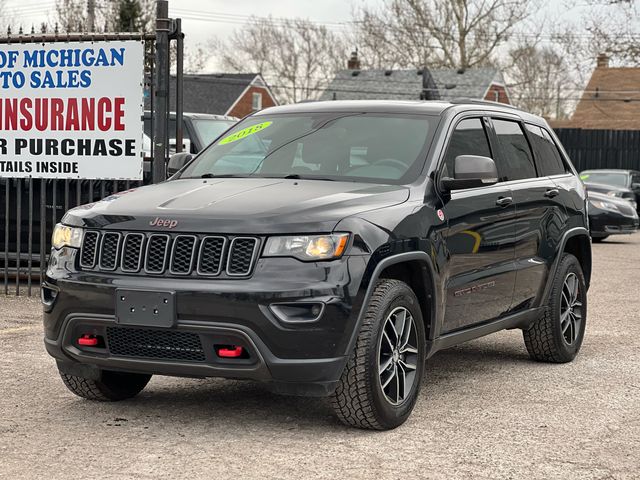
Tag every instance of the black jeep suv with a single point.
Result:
(327, 249)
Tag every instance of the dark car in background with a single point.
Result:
(618, 178)
(612, 191)
(610, 215)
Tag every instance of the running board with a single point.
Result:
(517, 320)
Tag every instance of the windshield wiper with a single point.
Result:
(222, 175)
(297, 176)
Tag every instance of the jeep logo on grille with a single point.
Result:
(163, 222)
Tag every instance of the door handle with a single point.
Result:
(552, 192)
(504, 201)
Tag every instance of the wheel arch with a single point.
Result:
(577, 242)
(417, 270)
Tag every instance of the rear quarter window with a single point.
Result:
(547, 157)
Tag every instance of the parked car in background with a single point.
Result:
(199, 130)
(610, 216)
(613, 191)
(626, 179)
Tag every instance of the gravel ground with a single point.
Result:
(486, 411)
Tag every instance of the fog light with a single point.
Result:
(229, 351)
(298, 312)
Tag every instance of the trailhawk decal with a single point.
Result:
(245, 132)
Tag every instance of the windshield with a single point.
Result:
(375, 148)
(605, 178)
(209, 130)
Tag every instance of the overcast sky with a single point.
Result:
(28, 12)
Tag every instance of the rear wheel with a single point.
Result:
(111, 387)
(381, 382)
(557, 335)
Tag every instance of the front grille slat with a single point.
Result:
(109, 250)
(89, 252)
(156, 256)
(184, 248)
(211, 255)
(241, 255)
(161, 344)
(132, 252)
(161, 254)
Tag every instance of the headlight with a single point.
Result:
(307, 247)
(64, 236)
(603, 205)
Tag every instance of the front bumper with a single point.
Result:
(603, 223)
(304, 358)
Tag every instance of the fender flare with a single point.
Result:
(385, 263)
(573, 232)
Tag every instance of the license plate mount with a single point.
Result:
(145, 308)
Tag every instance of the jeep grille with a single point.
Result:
(160, 254)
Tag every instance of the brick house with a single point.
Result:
(414, 84)
(232, 94)
(611, 100)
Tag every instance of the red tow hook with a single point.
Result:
(88, 341)
(231, 351)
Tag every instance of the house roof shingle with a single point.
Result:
(611, 101)
(407, 84)
(210, 93)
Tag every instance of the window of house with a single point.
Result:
(517, 158)
(256, 101)
(469, 138)
(548, 159)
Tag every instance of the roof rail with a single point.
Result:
(459, 101)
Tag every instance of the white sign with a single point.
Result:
(72, 110)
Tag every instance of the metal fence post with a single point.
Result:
(160, 116)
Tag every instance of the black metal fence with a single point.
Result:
(601, 148)
(30, 208)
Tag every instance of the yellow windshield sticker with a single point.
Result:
(584, 177)
(245, 132)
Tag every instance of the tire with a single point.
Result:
(112, 386)
(598, 239)
(557, 335)
(360, 400)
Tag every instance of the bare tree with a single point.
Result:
(440, 33)
(603, 26)
(108, 15)
(296, 56)
(537, 79)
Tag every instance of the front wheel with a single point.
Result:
(111, 387)
(557, 335)
(381, 381)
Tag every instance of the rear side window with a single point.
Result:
(517, 159)
(548, 159)
(469, 138)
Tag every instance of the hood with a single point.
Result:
(236, 205)
(603, 188)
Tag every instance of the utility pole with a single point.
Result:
(161, 104)
(91, 14)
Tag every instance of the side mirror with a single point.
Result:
(471, 171)
(177, 161)
(635, 187)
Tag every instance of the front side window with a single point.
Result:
(374, 148)
(468, 138)
(548, 158)
(517, 159)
